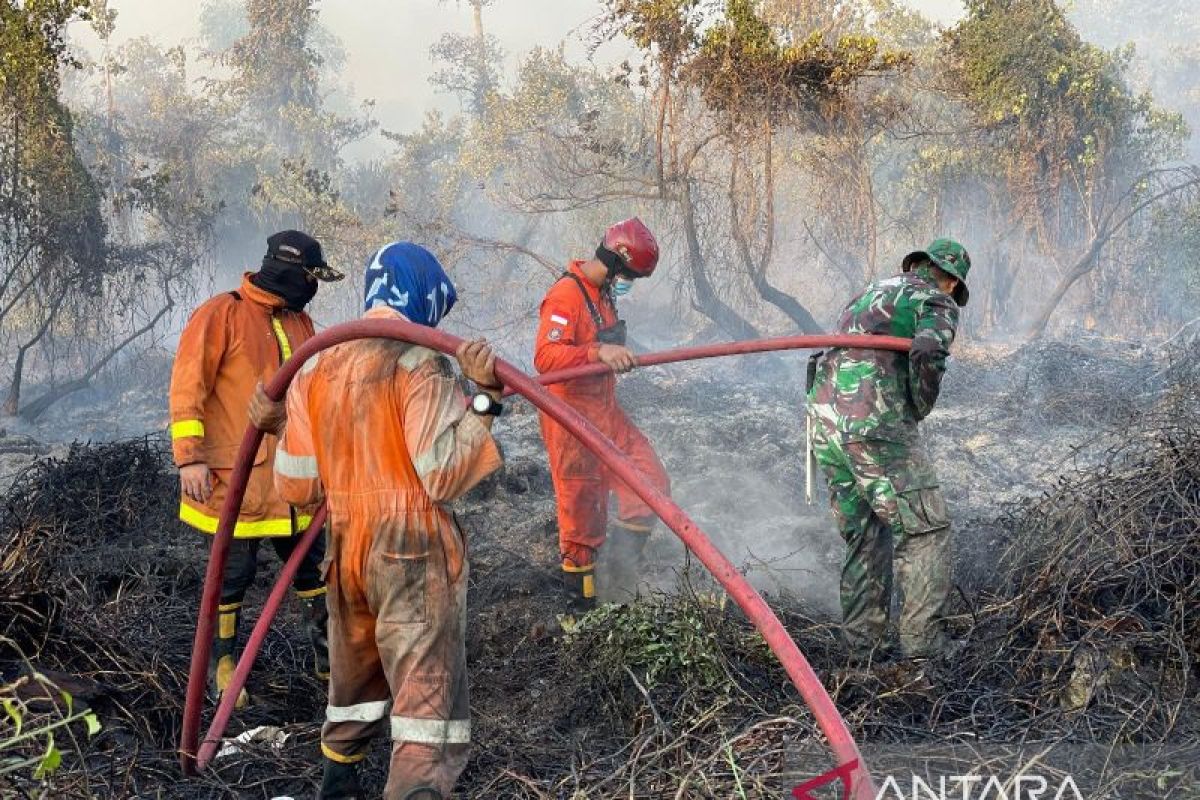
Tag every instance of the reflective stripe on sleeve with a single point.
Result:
(431, 731)
(290, 466)
(414, 356)
(436, 456)
(359, 712)
(187, 427)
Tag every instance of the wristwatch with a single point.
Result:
(483, 405)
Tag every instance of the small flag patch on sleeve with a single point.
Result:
(559, 320)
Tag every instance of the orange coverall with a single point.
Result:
(567, 338)
(381, 430)
(231, 343)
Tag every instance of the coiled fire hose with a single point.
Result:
(793, 661)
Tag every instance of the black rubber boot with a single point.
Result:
(316, 620)
(424, 793)
(224, 658)
(582, 585)
(340, 782)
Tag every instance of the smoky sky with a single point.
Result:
(387, 41)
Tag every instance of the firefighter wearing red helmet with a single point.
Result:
(579, 325)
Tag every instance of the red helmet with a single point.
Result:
(634, 243)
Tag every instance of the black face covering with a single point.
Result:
(288, 281)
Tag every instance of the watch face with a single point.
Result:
(481, 403)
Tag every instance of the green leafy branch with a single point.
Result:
(26, 727)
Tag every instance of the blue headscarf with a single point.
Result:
(408, 278)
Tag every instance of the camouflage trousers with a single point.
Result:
(889, 509)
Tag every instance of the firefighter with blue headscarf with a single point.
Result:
(383, 433)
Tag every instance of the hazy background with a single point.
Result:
(387, 41)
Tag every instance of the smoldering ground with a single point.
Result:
(676, 694)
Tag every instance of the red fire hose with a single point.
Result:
(732, 349)
(756, 609)
(208, 747)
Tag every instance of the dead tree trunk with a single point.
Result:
(32, 411)
(1104, 233)
(13, 401)
(757, 268)
(705, 299)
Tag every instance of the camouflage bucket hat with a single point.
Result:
(951, 257)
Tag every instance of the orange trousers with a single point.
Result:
(397, 619)
(582, 485)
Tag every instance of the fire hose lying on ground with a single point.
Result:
(801, 673)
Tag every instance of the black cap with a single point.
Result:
(295, 247)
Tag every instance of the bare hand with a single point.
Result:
(196, 482)
(478, 363)
(266, 414)
(621, 359)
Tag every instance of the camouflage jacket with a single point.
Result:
(878, 394)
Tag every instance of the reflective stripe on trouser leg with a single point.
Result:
(359, 696)
(425, 660)
(434, 732)
(367, 714)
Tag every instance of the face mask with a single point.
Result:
(288, 281)
(622, 287)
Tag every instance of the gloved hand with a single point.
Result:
(267, 415)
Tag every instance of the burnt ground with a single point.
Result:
(1072, 471)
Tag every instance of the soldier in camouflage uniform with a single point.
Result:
(866, 405)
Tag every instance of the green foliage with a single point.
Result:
(662, 643)
(275, 61)
(1025, 71)
(24, 726)
(470, 69)
(48, 201)
(744, 67)
(671, 27)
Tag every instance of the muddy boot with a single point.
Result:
(581, 583)
(224, 646)
(316, 620)
(626, 546)
(340, 782)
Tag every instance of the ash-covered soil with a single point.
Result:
(674, 697)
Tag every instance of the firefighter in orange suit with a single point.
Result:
(381, 430)
(579, 325)
(230, 344)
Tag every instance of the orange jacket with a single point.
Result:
(381, 430)
(567, 335)
(232, 342)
